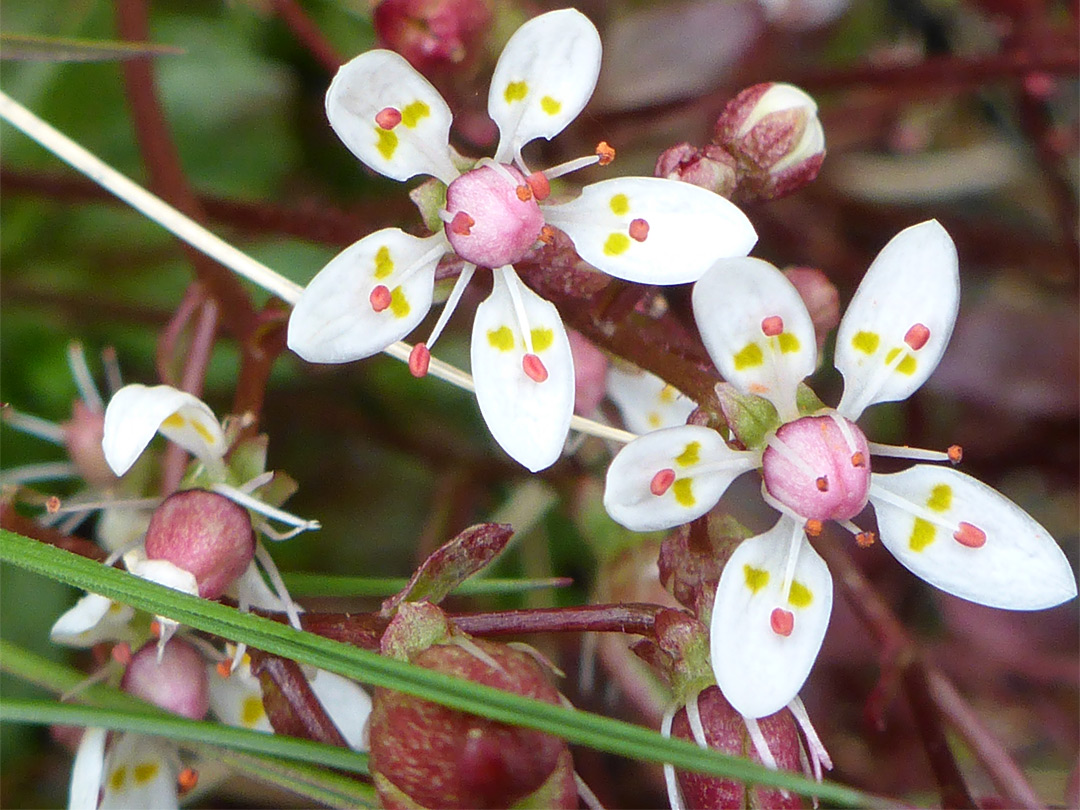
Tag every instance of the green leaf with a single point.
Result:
(582, 728)
(25, 47)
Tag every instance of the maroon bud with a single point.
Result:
(178, 682)
(710, 167)
(426, 755)
(590, 373)
(204, 534)
(434, 35)
(821, 299)
(725, 730)
(82, 439)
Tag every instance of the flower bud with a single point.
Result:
(773, 131)
(177, 682)
(434, 35)
(426, 755)
(821, 299)
(710, 167)
(206, 535)
(726, 731)
(590, 373)
(82, 439)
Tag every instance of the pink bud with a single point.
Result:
(773, 131)
(824, 472)
(82, 439)
(725, 730)
(494, 217)
(178, 682)
(206, 535)
(821, 299)
(710, 167)
(590, 373)
(434, 35)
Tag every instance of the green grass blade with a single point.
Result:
(306, 584)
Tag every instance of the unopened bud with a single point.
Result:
(590, 373)
(206, 535)
(821, 299)
(82, 439)
(725, 730)
(434, 35)
(773, 131)
(710, 167)
(177, 682)
(426, 755)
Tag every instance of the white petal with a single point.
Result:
(544, 77)
(346, 704)
(140, 775)
(758, 670)
(93, 619)
(687, 228)
(703, 467)
(913, 282)
(334, 322)
(168, 574)
(380, 80)
(529, 420)
(136, 413)
(1020, 566)
(735, 305)
(237, 700)
(645, 401)
(87, 770)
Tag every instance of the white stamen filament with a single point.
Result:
(693, 716)
(747, 460)
(425, 260)
(845, 430)
(46, 471)
(851, 527)
(912, 453)
(878, 491)
(761, 745)
(820, 755)
(570, 166)
(474, 650)
(675, 798)
(257, 481)
(113, 378)
(792, 457)
(245, 500)
(72, 523)
(201, 239)
(74, 505)
(792, 558)
(33, 425)
(130, 545)
(501, 169)
(512, 282)
(784, 388)
(586, 794)
(867, 394)
(268, 564)
(451, 302)
(84, 380)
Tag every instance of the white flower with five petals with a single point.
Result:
(637, 228)
(775, 594)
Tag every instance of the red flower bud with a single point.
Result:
(434, 35)
(710, 167)
(178, 682)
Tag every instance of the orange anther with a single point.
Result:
(858, 459)
(547, 235)
(155, 628)
(539, 185)
(956, 453)
(121, 653)
(187, 779)
(772, 326)
(524, 193)
(822, 483)
(813, 527)
(606, 152)
(782, 622)
(661, 482)
(970, 536)
(419, 360)
(388, 118)
(380, 298)
(864, 539)
(52, 504)
(224, 668)
(534, 368)
(639, 230)
(917, 336)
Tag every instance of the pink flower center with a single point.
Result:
(819, 467)
(493, 217)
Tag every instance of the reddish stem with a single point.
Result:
(308, 34)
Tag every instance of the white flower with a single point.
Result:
(775, 594)
(637, 228)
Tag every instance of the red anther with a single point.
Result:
(661, 482)
(380, 298)
(956, 453)
(462, 224)
(822, 483)
(858, 460)
(639, 230)
(155, 628)
(534, 368)
(121, 653)
(813, 527)
(917, 336)
(606, 152)
(524, 193)
(539, 185)
(224, 668)
(187, 779)
(970, 536)
(547, 235)
(772, 326)
(782, 621)
(419, 360)
(864, 539)
(388, 117)
(52, 504)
